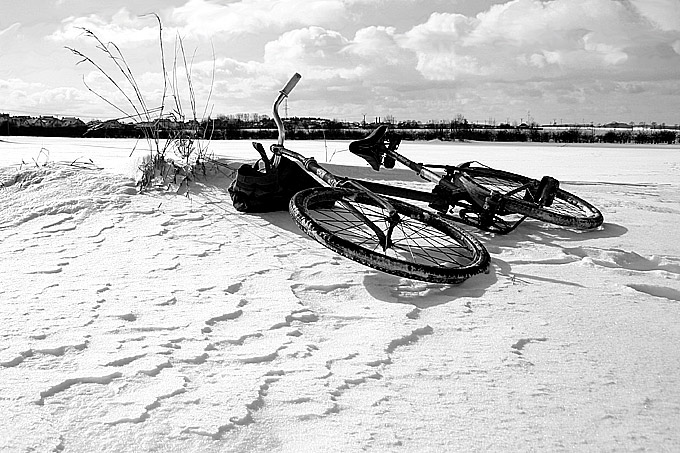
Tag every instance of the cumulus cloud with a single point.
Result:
(122, 28)
(41, 98)
(566, 51)
(376, 44)
(416, 55)
(664, 14)
(207, 18)
(523, 39)
(312, 48)
(16, 84)
(10, 30)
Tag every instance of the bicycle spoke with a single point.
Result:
(410, 240)
(428, 243)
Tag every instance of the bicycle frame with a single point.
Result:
(448, 193)
(449, 190)
(485, 214)
(312, 166)
(458, 197)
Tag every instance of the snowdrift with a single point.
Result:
(157, 322)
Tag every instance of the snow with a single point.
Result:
(158, 322)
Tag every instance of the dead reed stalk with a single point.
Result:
(178, 140)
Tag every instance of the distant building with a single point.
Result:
(20, 121)
(48, 121)
(71, 121)
(617, 125)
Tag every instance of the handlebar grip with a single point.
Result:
(291, 84)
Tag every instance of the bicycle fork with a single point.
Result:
(392, 216)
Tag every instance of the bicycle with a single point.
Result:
(478, 195)
(378, 231)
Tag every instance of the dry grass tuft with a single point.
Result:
(177, 154)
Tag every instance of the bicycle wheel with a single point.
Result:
(423, 245)
(517, 197)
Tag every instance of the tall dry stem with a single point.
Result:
(168, 131)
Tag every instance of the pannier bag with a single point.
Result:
(268, 189)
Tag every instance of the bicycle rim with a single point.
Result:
(566, 209)
(424, 246)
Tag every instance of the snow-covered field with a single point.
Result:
(158, 322)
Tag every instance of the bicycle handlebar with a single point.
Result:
(275, 109)
(291, 84)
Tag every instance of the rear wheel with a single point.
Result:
(423, 245)
(518, 194)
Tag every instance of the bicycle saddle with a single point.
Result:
(371, 148)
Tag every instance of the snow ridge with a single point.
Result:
(101, 379)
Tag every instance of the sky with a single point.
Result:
(556, 61)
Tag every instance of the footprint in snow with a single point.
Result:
(519, 345)
(616, 258)
(657, 291)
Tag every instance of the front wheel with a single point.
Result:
(423, 246)
(517, 194)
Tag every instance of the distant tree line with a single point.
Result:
(556, 135)
(262, 127)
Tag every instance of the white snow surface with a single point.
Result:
(159, 322)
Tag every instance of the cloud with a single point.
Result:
(208, 18)
(39, 98)
(379, 47)
(19, 85)
(343, 73)
(525, 39)
(312, 49)
(664, 14)
(10, 30)
(372, 54)
(415, 58)
(122, 28)
(447, 59)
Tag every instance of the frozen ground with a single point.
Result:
(157, 322)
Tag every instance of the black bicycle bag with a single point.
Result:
(267, 188)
